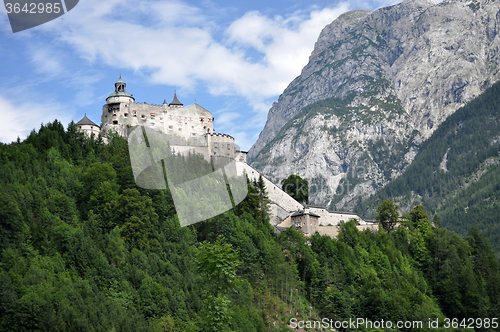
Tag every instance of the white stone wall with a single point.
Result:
(241, 156)
(277, 214)
(221, 145)
(89, 130)
(334, 217)
(276, 195)
(187, 122)
(307, 223)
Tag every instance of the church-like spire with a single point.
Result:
(175, 101)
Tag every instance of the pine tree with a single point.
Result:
(263, 199)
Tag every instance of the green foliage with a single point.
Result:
(264, 200)
(296, 187)
(456, 173)
(83, 249)
(388, 214)
(217, 264)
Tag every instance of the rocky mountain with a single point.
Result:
(377, 85)
(456, 173)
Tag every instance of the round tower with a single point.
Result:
(115, 113)
(88, 127)
(120, 95)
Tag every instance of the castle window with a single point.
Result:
(170, 127)
(193, 134)
(125, 114)
(208, 130)
(152, 124)
(192, 127)
(201, 119)
(180, 129)
(135, 114)
(115, 122)
(142, 116)
(152, 115)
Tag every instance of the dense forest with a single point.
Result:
(84, 249)
(456, 173)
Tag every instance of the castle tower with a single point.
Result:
(120, 95)
(117, 105)
(175, 102)
(88, 127)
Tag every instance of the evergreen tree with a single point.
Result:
(296, 187)
(217, 264)
(264, 200)
(388, 214)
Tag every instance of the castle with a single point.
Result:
(121, 114)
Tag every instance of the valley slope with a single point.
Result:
(456, 173)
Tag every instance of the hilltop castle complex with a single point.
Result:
(122, 114)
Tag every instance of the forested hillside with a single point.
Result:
(84, 249)
(456, 173)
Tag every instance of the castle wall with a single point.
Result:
(221, 145)
(241, 156)
(276, 195)
(277, 214)
(88, 130)
(333, 217)
(187, 122)
(331, 231)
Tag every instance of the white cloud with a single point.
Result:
(175, 43)
(45, 60)
(20, 119)
(254, 57)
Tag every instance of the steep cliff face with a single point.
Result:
(376, 86)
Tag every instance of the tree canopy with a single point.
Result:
(296, 187)
(83, 249)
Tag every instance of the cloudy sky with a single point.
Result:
(233, 58)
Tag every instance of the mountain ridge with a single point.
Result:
(402, 71)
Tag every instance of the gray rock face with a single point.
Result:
(376, 86)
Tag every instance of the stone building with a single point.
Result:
(306, 221)
(88, 127)
(121, 114)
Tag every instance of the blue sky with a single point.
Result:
(234, 58)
